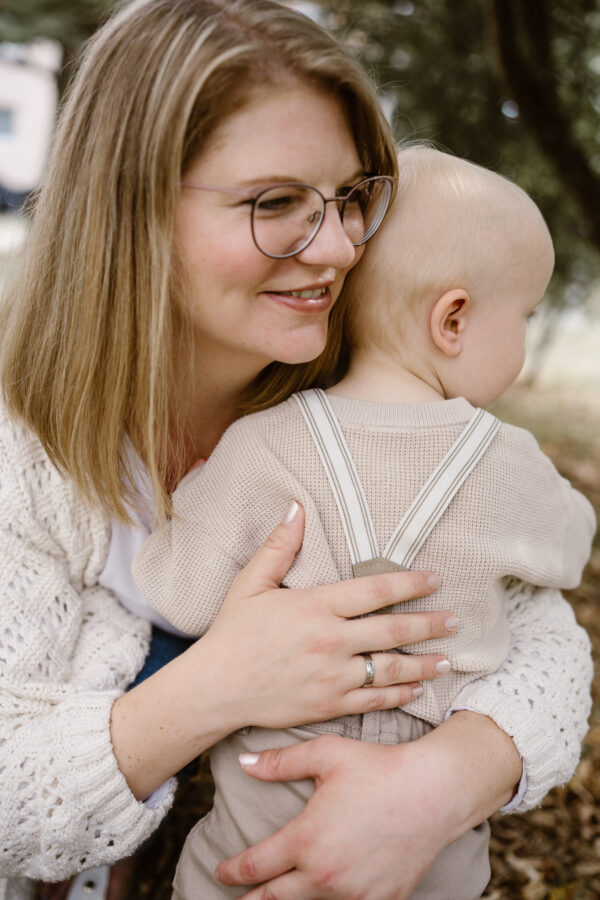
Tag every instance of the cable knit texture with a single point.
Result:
(68, 649)
(513, 517)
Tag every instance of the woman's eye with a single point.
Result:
(356, 196)
(278, 202)
(273, 204)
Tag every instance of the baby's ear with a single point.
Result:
(448, 320)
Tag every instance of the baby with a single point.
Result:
(399, 454)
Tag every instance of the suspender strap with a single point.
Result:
(440, 488)
(341, 473)
(427, 508)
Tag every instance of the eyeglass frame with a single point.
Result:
(297, 184)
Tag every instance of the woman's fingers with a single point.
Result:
(270, 858)
(396, 681)
(386, 631)
(277, 854)
(364, 595)
(272, 560)
(291, 886)
(400, 668)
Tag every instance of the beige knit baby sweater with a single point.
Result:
(513, 517)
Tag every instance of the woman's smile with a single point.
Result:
(305, 300)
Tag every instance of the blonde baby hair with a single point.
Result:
(451, 225)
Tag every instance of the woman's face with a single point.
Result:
(244, 306)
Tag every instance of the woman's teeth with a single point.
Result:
(305, 295)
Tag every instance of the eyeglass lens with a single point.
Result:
(285, 218)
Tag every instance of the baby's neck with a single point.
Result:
(373, 376)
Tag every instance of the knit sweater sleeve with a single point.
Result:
(67, 651)
(540, 695)
(222, 514)
(542, 531)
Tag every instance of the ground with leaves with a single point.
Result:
(550, 853)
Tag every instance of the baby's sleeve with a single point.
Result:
(184, 574)
(222, 514)
(547, 526)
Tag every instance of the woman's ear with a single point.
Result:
(448, 321)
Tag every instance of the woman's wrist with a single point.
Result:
(479, 766)
(170, 718)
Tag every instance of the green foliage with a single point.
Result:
(67, 21)
(441, 66)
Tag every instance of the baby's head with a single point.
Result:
(447, 284)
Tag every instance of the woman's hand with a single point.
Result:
(380, 815)
(276, 658)
(298, 652)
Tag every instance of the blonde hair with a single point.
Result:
(451, 225)
(90, 340)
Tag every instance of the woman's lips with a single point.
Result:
(310, 300)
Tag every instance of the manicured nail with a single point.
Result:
(248, 759)
(291, 512)
(433, 581)
(417, 691)
(451, 623)
(442, 667)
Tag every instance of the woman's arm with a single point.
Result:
(380, 815)
(68, 650)
(449, 780)
(311, 639)
(540, 695)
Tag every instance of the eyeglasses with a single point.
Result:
(285, 218)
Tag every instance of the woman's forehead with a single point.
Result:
(293, 132)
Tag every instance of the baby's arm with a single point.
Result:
(540, 694)
(222, 513)
(543, 531)
(183, 570)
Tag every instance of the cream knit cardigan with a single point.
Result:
(68, 650)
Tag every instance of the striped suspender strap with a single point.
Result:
(431, 501)
(440, 488)
(341, 472)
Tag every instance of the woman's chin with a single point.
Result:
(295, 351)
(297, 358)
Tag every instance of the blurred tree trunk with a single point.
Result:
(523, 41)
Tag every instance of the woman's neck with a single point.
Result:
(209, 397)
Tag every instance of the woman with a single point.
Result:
(146, 317)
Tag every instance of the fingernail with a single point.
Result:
(451, 623)
(216, 875)
(433, 581)
(291, 513)
(417, 691)
(248, 759)
(442, 667)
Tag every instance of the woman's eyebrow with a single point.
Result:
(265, 182)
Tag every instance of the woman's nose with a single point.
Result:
(331, 246)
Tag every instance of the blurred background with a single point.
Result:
(514, 86)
